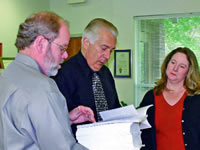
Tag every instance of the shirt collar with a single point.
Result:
(27, 60)
(85, 67)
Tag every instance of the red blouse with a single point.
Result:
(168, 124)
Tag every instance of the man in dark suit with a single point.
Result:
(75, 79)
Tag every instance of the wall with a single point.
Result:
(120, 13)
(12, 13)
(79, 15)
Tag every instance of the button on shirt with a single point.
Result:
(190, 126)
(74, 80)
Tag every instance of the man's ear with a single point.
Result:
(41, 44)
(86, 43)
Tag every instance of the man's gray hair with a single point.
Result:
(43, 23)
(92, 29)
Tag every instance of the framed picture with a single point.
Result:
(0, 49)
(122, 63)
(7, 61)
(1, 63)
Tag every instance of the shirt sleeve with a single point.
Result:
(148, 135)
(48, 124)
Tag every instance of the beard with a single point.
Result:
(50, 64)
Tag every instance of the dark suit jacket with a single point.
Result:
(74, 80)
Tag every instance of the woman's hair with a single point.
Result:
(43, 23)
(192, 80)
(92, 29)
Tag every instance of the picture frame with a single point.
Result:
(1, 63)
(122, 63)
(5, 61)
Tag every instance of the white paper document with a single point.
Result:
(119, 130)
(127, 113)
(119, 113)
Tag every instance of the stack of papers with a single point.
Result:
(119, 130)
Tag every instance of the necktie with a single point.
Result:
(99, 96)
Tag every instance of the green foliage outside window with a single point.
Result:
(183, 32)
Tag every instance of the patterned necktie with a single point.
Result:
(99, 96)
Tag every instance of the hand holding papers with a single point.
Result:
(119, 130)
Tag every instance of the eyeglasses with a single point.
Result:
(62, 48)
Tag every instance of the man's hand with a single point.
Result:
(81, 114)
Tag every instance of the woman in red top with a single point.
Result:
(171, 122)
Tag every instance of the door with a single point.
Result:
(73, 47)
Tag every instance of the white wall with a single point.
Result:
(79, 15)
(12, 13)
(120, 13)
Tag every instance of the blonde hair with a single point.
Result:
(192, 80)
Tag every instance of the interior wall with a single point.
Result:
(79, 15)
(12, 13)
(121, 14)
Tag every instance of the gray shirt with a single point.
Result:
(33, 112)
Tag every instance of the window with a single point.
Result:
(155, 37)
